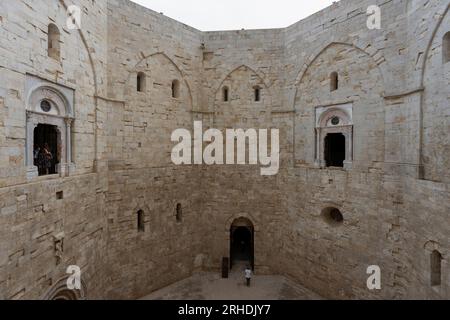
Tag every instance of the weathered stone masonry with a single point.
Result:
(393, 192)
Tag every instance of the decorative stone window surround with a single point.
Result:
(324, 126)
(62, 116)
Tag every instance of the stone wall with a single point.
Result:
(34, 221)
(394, 198)
(381, 198)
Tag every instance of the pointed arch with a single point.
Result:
(430, 44)
(89, 53)
(184, 77)
(90, 56)
(315, 55)
(421, 146)
(219, 87)
(348, 52)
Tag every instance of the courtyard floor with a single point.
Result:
(210, 286)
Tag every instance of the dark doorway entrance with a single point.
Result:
(46, 138)
(242, 242)
(335, 150)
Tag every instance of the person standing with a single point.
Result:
(248, 275)
(45, 158)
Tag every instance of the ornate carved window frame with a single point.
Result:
(62, 116)
(324, 126)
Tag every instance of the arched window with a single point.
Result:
(446, 48)
(141, 221)
(257, 91)
(436, 266)
(225, 94)
(53, 42)
(333, 216)
(179, 213)
(141, 79)
(334, 81)
(175, 89)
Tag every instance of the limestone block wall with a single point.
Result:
(168, 250)
(361, 85)
(136, 34)
(261, 51)
(25, 52)
(380, 215)
(33, 219)
(323, 251)
(394, 199)
(435, 101)
(242, 61)
(141, 175)
(43, 232)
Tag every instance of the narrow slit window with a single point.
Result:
(334, 81)
(175, 89)
(436, 268)
(225, 94)
(54, 49)
(257, 94)
(179, 213)
(140, 85)
(141, 221)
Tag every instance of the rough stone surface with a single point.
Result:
(395, 198)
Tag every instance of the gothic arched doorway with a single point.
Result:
(242, 235)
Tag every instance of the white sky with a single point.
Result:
(211, 15)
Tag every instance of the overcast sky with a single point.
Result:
(210, 15)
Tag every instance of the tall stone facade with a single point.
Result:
(116, 143)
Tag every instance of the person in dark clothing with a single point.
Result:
(44, 160)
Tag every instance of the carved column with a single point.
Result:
(348, 147)
(318, 154)
(61, 168)
(69, 122)
(32, 170)
(322, 137)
